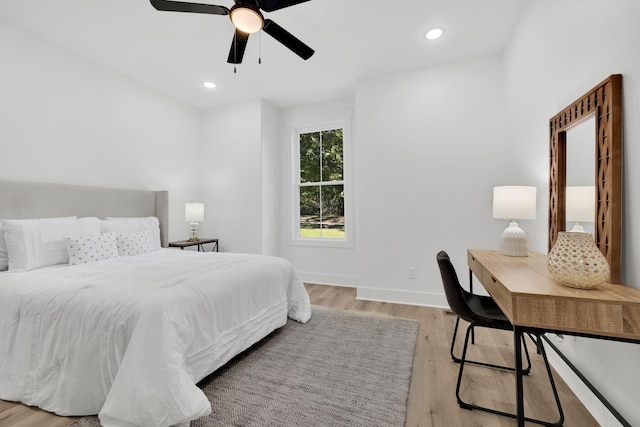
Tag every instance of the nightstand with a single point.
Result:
(199, 243)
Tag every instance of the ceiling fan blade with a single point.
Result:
(271, 5)
(238, 44)
(287, 39)
(179, 6)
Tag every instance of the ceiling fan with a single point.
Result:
(247, 18)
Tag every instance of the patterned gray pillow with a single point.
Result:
(91, 248)
(134, 243)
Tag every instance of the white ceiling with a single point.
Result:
(175, 52)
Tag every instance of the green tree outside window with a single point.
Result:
(321, 185)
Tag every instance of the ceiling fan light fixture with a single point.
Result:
(246, 19)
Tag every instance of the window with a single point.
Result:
(321, 185)
(321, 193)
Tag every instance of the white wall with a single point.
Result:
(315, 264)
(271, 171)
(231, 160)
(431, 145)
(64, 119)
(560, 50)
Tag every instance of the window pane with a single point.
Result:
(310, 157)
(322, 205)
(332, 162)
(333, 211)
(310, 212)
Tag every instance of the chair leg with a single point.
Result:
(488, 365)
(534, 340)
(462, 403)
(453, 341)
(469, 406)
(526, 353)
(551, 381)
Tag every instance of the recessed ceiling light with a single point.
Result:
(434, 34)
(209, 85)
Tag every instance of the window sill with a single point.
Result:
(322, 243)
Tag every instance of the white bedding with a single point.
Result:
(129, 337)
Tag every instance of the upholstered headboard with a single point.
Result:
(25, 200)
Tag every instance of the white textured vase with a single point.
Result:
(514, 240)
(577, 262)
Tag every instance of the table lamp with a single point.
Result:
(580, 206)
(194, 215)
(514, 202)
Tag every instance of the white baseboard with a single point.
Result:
(602, 415)
(329, 279)
(402, 297)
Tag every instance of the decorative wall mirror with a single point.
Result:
(603, 104)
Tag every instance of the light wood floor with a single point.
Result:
(432, 401)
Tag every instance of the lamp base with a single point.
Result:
(577, 228)
(193, 227)
(514, 240)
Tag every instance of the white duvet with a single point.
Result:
(129, 338)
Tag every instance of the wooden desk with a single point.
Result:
(532, 300)
(529, 296)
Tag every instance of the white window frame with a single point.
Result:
(338, 120)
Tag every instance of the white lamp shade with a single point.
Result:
(194, 212)
(581, 203)
(514, 202)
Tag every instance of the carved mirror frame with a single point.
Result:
(605, 103)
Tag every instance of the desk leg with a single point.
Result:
(473, 331)
(517, 342)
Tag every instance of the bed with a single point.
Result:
(128, 336)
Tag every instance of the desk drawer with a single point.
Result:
(475, 266)
(495, 288)
(480, 271)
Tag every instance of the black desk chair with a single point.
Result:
(491, 305)
(483, 311)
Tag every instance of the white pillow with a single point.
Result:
(4, 255)
(35, 243)
(91, 248)
(130, 244)
(130, 225)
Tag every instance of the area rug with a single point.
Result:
(342, 368)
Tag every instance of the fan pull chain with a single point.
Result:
(235, 48)
(260, 47)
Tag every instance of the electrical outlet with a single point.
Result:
(412, 272)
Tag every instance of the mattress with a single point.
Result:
(129, 338)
